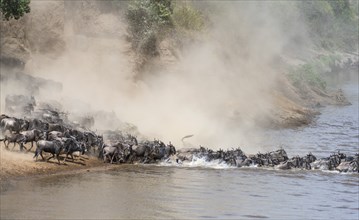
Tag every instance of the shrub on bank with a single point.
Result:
(311, 72)
(147, 20)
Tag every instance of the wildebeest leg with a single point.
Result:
(32, 143)
(131, 158)
(112, 158)
(42, 156)
(36, 154)
(6, 145)
(144, 160)
(14, 146)
(58, 157)
(22, 146)
(53, 155)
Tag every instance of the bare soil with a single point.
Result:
(17, 164)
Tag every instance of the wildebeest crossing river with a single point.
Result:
(207, 190)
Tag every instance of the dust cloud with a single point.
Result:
(220, 89)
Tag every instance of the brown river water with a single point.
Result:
(201, 191)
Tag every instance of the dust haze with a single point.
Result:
(220, 88)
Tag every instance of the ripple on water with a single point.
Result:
(295, 194)
(255, 216)
(255, 195)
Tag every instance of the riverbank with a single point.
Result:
(15, 164)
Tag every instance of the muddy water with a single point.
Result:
(171, 192)
(207, 192)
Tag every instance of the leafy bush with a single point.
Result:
(188, 18)
(14, 8)
(311, 72)
(307, 74)
(333, 24)
(148, 20)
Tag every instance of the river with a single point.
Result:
(201, 191)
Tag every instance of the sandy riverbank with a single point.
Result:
(16, 164)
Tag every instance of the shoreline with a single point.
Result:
(9, 181)
(16, 165)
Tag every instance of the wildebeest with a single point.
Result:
(15, 138)
(73, 146)
(170, 149)
(13, 124)
(54, 147)
(38, 124)
(186, 153)
(120, 153)
(111, 152)
(51, 115)
(53, 135)
(2, 116)
(329, 163)
(31, 136)
(160, 151)
(78, 135)
(92, 141)
(141, 150)
(56, 127)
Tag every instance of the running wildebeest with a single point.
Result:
(31, 136)
(56, 127)
(111, 152)
(38, 124)
(141, 151)
(53, 135)
(92, 141)
(13, 124)
(160, 151)
(120, 153)
(54, 147)
(78, 135)
(2, 116)
(73, 146)
(15, 138)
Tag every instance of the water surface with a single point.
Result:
(200, 192)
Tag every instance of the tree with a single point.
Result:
(14, 8)
(333, 24)
(148, 20)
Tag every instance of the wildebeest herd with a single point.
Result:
(57, 139)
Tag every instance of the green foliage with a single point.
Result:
(311, 72)
(342, 9)
(14, 8)
(188, 18)
(333, 24)
(148, 20)
(306, 74)
(152, 20)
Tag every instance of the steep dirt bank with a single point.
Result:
(296, 107)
